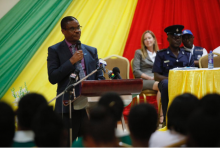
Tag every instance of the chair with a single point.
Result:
(117, 61)
(203, 61)
(145, 93)
(123, 64)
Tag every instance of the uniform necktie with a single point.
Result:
(78, 65)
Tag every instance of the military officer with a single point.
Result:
(170, 58)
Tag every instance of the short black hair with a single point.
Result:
(100, 126)
(114, 103)
(211, 103)
(142, 121)
(7, 125)
(28, 107)
(203, 129)
(48, 128)
(180, 110)
(67, 19)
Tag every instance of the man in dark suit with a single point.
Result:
(63, 59)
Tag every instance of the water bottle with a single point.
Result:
(210, 60)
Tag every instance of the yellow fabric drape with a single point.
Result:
(197, 82)
(106, 25)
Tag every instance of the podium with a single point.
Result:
(96, 88)
(93, 89)
(122, 86)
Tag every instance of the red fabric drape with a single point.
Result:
(202, 17)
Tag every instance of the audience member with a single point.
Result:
(99, 130)
(28, 106)
(170, 58)
(49, 129)
(197, 52)
(143, 63)
(114, 104)
(142, 122)
(178, 114)
(203, 128)
(7, 125)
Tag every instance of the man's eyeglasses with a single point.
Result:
(74, 28)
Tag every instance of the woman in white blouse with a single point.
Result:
(143, 62)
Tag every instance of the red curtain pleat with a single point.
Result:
(200, 16)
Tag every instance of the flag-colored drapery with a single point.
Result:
(112, 26)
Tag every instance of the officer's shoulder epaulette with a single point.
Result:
(165, 49)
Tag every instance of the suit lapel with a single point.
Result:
(65, 50)
(149, 59)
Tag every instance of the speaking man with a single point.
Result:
(63, 59)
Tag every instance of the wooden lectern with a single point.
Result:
(96, 88)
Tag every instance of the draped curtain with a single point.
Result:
(112, 26)
(23, 30)
(105, 25)
(200, 16)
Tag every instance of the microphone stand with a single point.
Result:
(73, 85)
(70, 93)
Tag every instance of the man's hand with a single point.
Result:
(77, 56)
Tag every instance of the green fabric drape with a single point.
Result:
(22, 30)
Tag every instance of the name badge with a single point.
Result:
(167, 61)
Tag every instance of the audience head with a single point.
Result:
(174, 35)
(7, 125)
(113, 102)
(99, 130)
(148, 40)
(142, 122)
(187, 38)
(28, 106)
(179, 111)
(203, 125)
(49, 129)
(203, 129)
(211, 103)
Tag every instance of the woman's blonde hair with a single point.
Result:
(143, 47)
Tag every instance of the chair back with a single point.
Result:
(203, 61)
(117, 61)
(132, 67)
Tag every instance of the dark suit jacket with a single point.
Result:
(59, 69)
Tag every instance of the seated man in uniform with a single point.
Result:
(170, 58)
(197, 52)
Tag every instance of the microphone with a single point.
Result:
(78, 45)
(116, 71)
(102, 65)
(74, 77)
(111, 75)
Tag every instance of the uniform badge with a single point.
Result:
(167, 61)
(177, 29)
